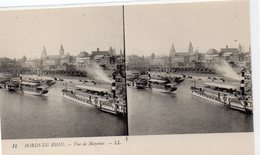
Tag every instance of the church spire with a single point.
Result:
(111, 50)
(190, 48)
(61, 51)
(172, 51)
(44, 53)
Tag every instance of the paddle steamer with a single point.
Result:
(96, 97)
(227, 95)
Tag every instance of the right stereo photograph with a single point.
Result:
(188, 68)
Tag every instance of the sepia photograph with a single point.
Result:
(153, 77)
(62, 73)
(189, 68)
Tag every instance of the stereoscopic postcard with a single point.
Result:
(171, 78)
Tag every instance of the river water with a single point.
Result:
(149, 113)
(152, 113)
(52, 116)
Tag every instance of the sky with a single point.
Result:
(153, 28)
(25, 32)
(149, 28)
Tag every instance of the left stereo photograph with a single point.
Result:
(62, 73)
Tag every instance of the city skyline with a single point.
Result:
(244, 50)
(207, 25)
(77, 29)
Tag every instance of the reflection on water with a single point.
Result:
(51, 116)
(156, 113)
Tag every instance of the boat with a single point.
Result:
(96, 97)
(89, 82)
(162, 86)
(224, 94)
(33, 88)
(178, 80)
(172, 79)
(43, 81)
(10, 87)
(140, 83)
(3, 81)
(58, 79)
(49, 82)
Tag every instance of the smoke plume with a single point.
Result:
(96, 72)
(226, 70)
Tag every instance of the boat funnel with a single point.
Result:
(114, 86)
(242, 83)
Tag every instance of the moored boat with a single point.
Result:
(10, 87)
(96, 97)
(178, 80)
(32, 88)
(47, 82)
(140, 83)
(161, 86)
(224, 94)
